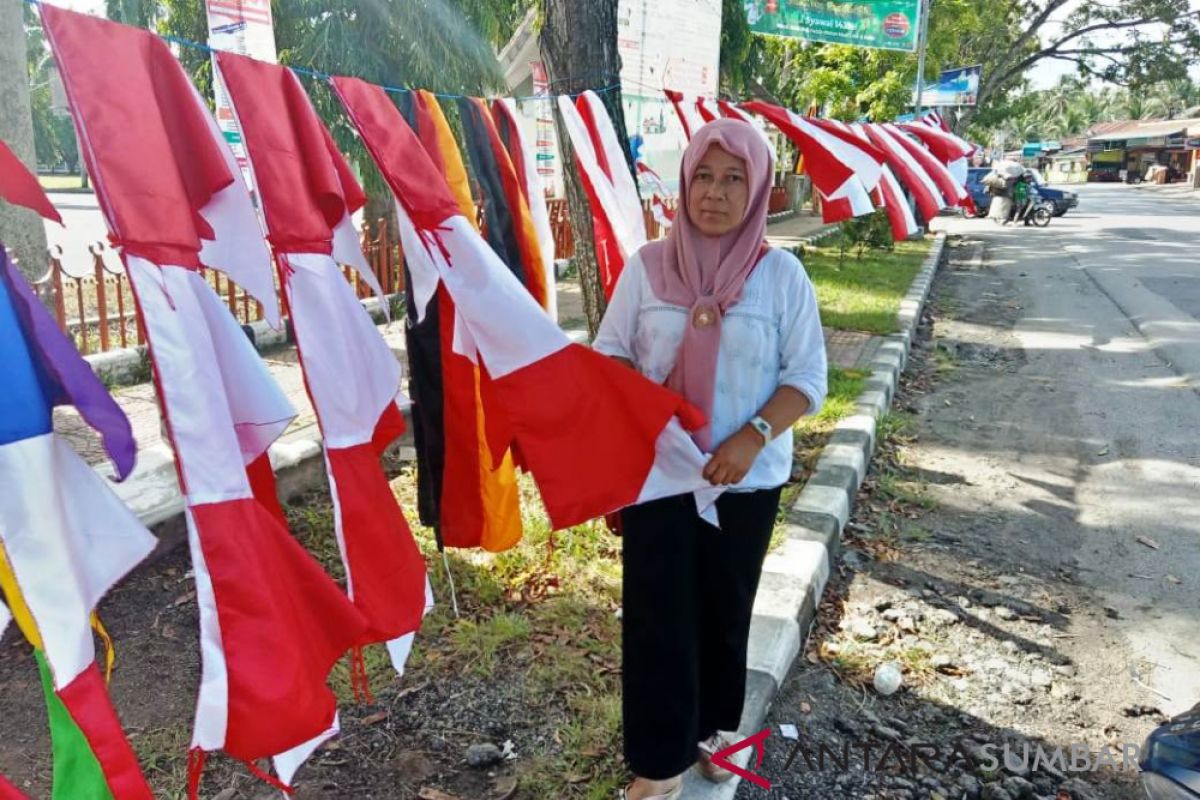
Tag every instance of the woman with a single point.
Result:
(732, 325)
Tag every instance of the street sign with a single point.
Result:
(882, 24)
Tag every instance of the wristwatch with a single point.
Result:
(762, 426)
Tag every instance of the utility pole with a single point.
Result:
(922, 27)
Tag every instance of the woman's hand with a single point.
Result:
(734, 457)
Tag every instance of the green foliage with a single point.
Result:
(739, 49)
(871, 231)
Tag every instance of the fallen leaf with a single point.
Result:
(429, 793)
(1146, 540)
(806, 708)
(186, 597)
(376, 718)
(504, 787)
(1103, 452)
(1173, 579)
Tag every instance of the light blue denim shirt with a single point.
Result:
(770, 338)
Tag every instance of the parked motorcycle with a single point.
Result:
(1171, 759)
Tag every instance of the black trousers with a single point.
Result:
(688, 593)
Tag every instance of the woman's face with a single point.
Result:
(718, 192)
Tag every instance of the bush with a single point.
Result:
(872, 231)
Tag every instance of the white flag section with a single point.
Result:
(5, 618)
(510, 334)
(68, 539)
(907, 167)
(351, 372)
(536, 195)
(617, 195)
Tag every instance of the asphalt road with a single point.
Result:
(1109, 320)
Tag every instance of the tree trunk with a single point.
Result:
(20, 230)
(579, 50)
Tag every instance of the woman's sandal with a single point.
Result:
(674, 794)
(704, 764)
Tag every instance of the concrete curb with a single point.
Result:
(794, 576)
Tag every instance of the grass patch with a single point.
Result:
(863, 294)
(53, 183)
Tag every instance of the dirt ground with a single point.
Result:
(947, 573)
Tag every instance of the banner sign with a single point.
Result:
(955, 87)
(881, 24)
(247, 28)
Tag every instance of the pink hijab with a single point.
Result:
(706, 274)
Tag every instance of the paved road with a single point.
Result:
(1109, 323)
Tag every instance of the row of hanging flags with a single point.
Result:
(857, 168)
(496, 383)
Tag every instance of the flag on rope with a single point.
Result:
(272, 623)
(933, 119)
(20, 187)
(733, 112)
(504, 111)
(507, 220)
(954, 193)
(618, 224)
(596, 436)
(894, 203)
(687, 111)
(908, 170)
(948, 148)
(465, 491)
(844, 169)
(308, 194)
(65, 538)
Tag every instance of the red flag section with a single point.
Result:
(308, 191)
(595, 435)
(8, 791)
(272, 622)
(20, 187)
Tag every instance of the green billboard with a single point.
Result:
(883, 24)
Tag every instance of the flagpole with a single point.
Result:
(922, 24)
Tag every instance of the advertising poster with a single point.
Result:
(884, 24)
(955, 87)
(247, 28)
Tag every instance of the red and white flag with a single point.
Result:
(308, 194)
(687, 111)
(948, 148)
(596, 435)
(891, 197)
(908, 170)
(617, 219)
(953, 191)
(844, 169)
(272, 623)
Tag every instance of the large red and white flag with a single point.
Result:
(596, 435)
(890, 197)
(951, 150)
(308, 194)
(272, 623)
(952, 190)
(617, 219)
(844, 168)
(908, 170)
